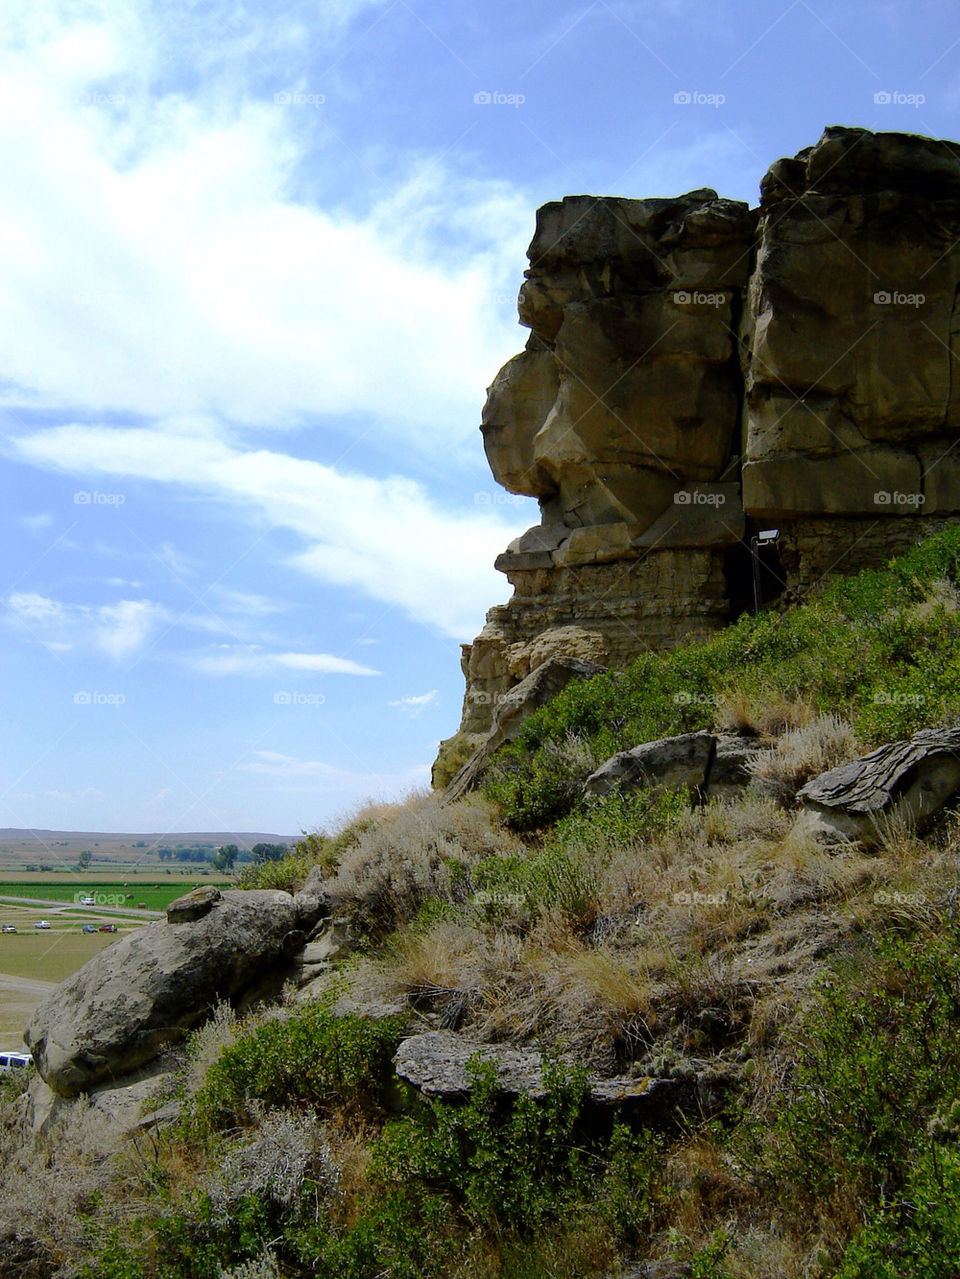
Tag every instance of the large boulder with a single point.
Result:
(906, 782)
(146, 991)
(670, 761)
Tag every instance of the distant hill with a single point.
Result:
(18, 846)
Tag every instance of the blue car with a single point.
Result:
(89, 928)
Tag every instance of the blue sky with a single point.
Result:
(259, 263)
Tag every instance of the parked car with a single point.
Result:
(42, 923)
(107, 928)
(8, 928)
(88, 928)
(15, 1061)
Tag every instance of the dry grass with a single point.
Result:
(800, 754)
(762, 713)
(420, 850)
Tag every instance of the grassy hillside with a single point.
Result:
(803, 1001)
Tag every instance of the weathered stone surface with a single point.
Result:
(142, 1101)
(194, 904)
(797, 360)
(670, 761)
(907, 781)
(436, 1064)
(514, 707)
(728, 769)
(145, 991)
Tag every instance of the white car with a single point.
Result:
(42, 923)
(88, 901)
(15, 1061)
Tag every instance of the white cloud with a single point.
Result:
(384, 536)
(251, 661)
(37, 525)
(124, 628)
(119, 630)
(163, 233)
(414, 705)
(313, 776)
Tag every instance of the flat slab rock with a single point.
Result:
(147, 990)
(908, 781)
(436, 1064)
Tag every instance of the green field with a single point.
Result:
(153, 891)
(53, 955)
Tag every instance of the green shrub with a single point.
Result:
(882, 649)
(506, 1163)
(313, 1058)
(916, 1233)
(882, 1054)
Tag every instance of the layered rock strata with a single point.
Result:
(700, 374)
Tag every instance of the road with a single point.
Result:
(128, 912)
(19, 996)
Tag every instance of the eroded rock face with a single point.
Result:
(698, 372)
(144, 992)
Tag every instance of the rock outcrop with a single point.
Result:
(437, 1064)
(698, 373)
(145, 992)
(902, 783)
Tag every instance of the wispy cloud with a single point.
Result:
(383, 536)
(414, 705)
(252, 661)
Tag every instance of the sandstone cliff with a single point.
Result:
(699, 373)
